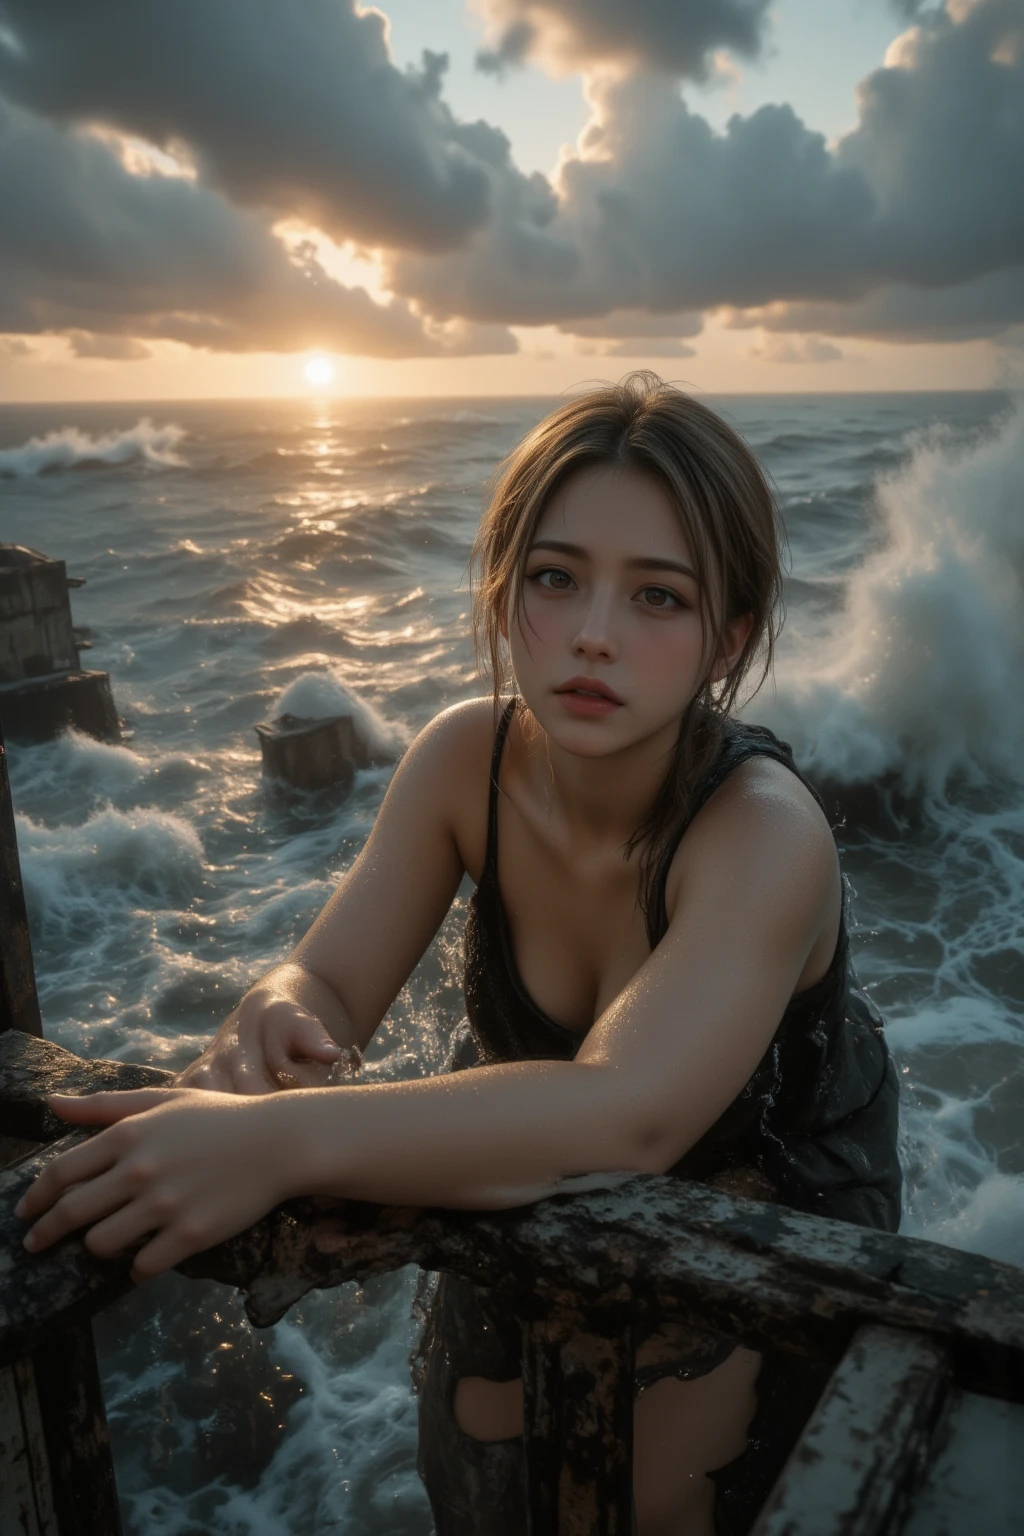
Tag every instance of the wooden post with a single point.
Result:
(856, 1467)
(19, 1003)
(56, 1470)
(578, 1428)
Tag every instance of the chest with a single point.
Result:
(574, 931)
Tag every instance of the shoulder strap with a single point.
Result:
(491, 856)
(739, 742)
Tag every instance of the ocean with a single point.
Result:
(246, 558)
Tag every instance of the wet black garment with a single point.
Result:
(815, 1128)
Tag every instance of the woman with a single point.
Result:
(657, 968)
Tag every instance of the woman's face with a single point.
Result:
(607, 647)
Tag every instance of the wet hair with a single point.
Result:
(728, 512)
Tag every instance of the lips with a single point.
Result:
(589, 687)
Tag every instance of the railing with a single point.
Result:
(911, 1328)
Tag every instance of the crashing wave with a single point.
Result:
(71, 448)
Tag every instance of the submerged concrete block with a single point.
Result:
(43, 689)
(40, 709)
(313, 754)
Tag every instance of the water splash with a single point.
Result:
(318, 695)
(920, 675)
(71, 448)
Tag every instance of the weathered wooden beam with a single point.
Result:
(975, 1479)
(578, 1428)
(864, 1451)
(54, 1444)
(26, 1505)
(31, 1069)
(19, 1004)
(769, 1276)
(74, 1423)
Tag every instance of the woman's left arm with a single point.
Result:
(181, 1169)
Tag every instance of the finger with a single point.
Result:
(163, 1251)
(106, 1108)
(310, 1039)
(123, 1228)
(84, 1162)
(78, 1206)
(302, 1039)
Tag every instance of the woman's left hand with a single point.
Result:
(178, 1169)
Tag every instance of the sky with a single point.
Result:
(508, 196)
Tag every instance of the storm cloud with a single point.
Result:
(911, 227)
(89, 249)
(658, 212)
(293, 106)
(663, 35)
(984, 307)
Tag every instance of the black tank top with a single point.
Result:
(818, 1116)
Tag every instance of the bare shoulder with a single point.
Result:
(454, 757)
(764, 822)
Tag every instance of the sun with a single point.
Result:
(319, 371)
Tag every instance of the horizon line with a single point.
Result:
(314, 399)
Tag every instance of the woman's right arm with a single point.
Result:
(309, 1017)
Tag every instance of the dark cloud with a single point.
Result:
(806, 349)
(675, 36)
(86, 247)
(911, 227)
(293, 106)
(513, 48)
(120, 348)
(627, 323)
(658, 212)
(984, 307)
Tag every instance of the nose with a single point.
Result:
(595, 638)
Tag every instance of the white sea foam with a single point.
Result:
(74, 758)
(921, 673)
(71, 448)
(990, 1220)
(317, 695)
(946, 1024)
(114, 859)
(100, 772)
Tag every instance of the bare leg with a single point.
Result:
(682, 1430)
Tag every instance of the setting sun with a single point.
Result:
(319, 371)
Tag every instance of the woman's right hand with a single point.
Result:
(266, 1045)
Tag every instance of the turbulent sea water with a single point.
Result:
(241, 559)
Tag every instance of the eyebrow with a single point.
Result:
(640, 562)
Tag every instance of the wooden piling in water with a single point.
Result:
(43, 687)
(56, 1469)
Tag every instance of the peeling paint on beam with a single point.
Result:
(864, 1452)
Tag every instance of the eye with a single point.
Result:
(552, 578)
(661, 598)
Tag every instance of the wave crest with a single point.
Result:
(71, 448)
(920, 676)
